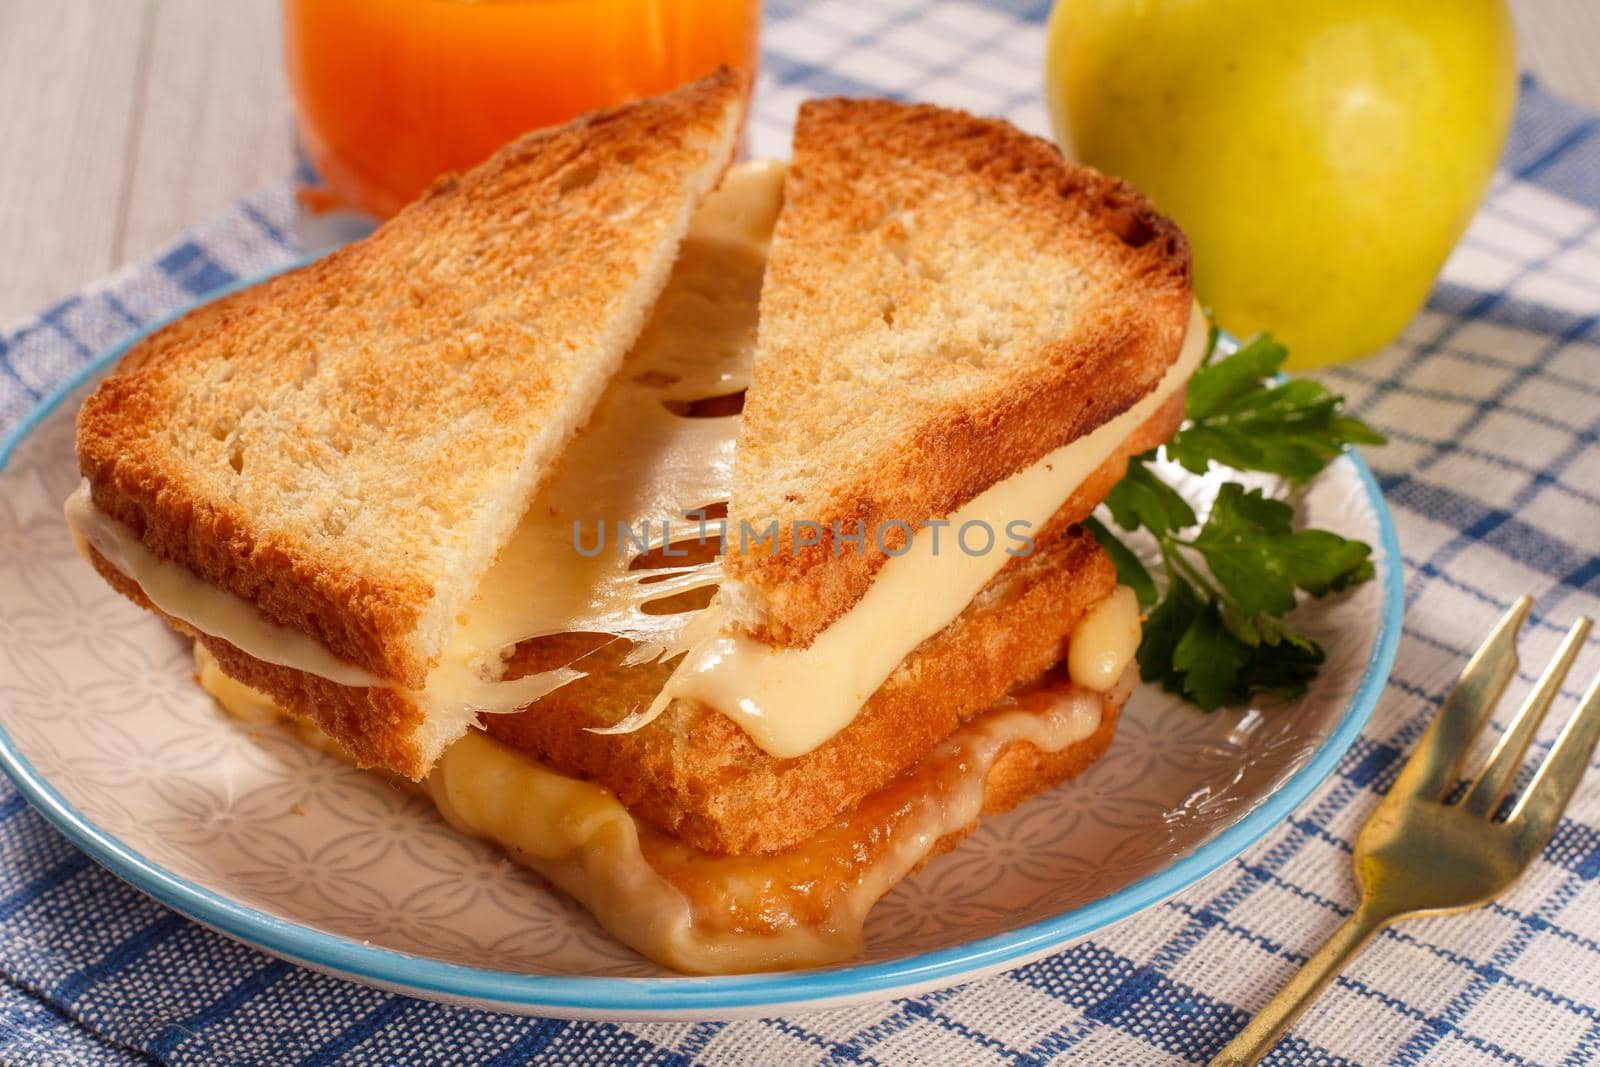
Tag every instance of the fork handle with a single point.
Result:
(1262, 1032)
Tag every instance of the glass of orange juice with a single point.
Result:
(390, 94)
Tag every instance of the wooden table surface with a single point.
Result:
(126, 121)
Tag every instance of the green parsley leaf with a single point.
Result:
(1283, 670)
(1194, 649)
(1273, 633)
(1131, 572)
(1217, 635)
(1211, 660)
(1142, 499)
(1240, 419)
(1260, 560)
(1221, 383)
(1163, 629)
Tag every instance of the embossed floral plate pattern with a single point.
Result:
(248, 831)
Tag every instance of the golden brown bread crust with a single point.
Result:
(894, 216)
(379, 723)
(697, 799)
(398, 384)
(1023, 770)
(804, 883)
(695, 774)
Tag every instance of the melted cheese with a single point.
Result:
(1105, 640)
(640, 460)
(179, 593)
(719, 914)
(790, 700)
(643, 459)
(455, 686)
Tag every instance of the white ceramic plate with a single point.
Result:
(249, 832)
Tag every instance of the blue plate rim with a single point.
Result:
(683, 995)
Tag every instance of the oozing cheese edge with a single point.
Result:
(580, 837)
(691, 344)
(791, 700)
(454, 690)
(180, 593)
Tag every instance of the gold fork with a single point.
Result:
(1420, 854)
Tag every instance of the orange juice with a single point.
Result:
(392, 93)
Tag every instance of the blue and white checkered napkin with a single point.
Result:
(1492, 405)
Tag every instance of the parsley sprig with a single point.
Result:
(1217, 634)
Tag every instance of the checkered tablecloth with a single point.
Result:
(1491, 402)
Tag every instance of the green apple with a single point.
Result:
(1323, 156)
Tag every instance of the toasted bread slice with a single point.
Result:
(695, 775)
(349, 445)
(693, 772)
(802, 906)
(818, 881)
(946, 301)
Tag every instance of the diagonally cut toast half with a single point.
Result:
(349, 445)
(946, 301)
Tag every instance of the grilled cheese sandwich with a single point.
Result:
(703, 913)
(677, 731)
(788, 700)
